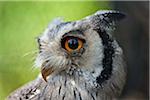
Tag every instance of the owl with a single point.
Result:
(79, 60)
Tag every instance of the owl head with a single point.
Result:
(85, 44)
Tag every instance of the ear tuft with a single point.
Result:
(111, 15)
(105, 19)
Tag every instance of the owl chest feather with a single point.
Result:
(71, 88)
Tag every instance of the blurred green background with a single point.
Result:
(20, 24)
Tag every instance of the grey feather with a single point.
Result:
(94, 72)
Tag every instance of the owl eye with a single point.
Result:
(73, 44)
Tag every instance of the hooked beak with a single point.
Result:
(46, 72)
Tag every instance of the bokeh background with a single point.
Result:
(22, 22)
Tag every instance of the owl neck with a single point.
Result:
(77, 84)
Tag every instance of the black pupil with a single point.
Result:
(73, 43)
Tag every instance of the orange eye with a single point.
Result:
(73, 43)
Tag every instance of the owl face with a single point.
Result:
(72, 46)
(85, 44)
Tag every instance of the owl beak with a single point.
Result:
(46, 72)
